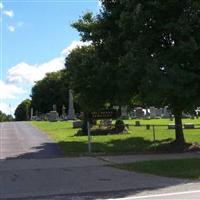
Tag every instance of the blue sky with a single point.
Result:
(36, 36)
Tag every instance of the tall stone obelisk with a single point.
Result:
(71, 112)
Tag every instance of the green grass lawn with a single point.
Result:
(138, 140)
(181, 168)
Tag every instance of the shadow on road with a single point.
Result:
(46, 150)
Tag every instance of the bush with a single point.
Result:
(119, 125)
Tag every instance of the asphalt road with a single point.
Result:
(21, 140)
(84, 178)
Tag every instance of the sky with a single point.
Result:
(36, 36)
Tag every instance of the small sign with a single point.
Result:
(104, 114)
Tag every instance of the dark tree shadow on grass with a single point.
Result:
(77, 148)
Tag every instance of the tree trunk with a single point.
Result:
(179, 128)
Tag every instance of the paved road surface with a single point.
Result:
(82, 178)
(20, 140)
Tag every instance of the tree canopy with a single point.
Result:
(22, 112)
(5, 118)
(149, 49)
(53, 89)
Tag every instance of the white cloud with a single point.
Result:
(27, 73)
(10, 91)
(1, 6)
(74, 45)
(8, 13)
(11, 28)
(5, 108)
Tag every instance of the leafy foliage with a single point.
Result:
(22, 112)
(149, 49)
(4, 117)
(87, 79)
(53, 89)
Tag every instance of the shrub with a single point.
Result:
(119, 125)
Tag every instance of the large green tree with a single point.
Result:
(152, 47)
(22, 112)
(88, 79)
(53, 89)
(163, 46)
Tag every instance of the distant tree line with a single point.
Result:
(53, 89)
(5, 118)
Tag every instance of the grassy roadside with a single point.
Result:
(180, 168)
(138, 140)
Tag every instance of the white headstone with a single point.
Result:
(166, 112)
(63, 112)
(52, 116)
(159, 112)
(139, 113)
(31, 113)
(152, 112)
(54, 107)
(124, 112)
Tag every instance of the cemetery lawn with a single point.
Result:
(181, 168)
(138, 140)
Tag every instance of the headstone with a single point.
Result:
(171, 126)
(116, 107)
(159, 112)
(124, 112)
(52, 116)
(148, 126)
(106, 123)
(31, 114)
(147, 114)
(77, 124)
(189, 126)
(71, 112)
(63, 112)
(166, 112)
(152, 112)
(137, 123)
(139, 113)
(54, 108)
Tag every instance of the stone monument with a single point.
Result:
(166, 112)
(63, 112)
(71, 112)
(31, 118)
(54, 107)
(152, 112)
(139, 113)
(52, 116)
(124, 111)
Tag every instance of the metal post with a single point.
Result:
(89, 137)
(154, 137)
